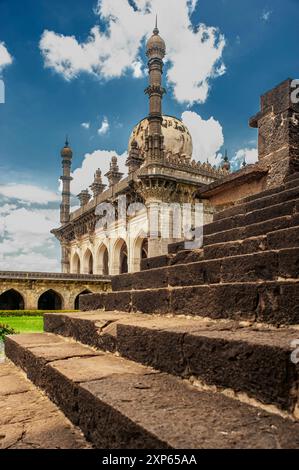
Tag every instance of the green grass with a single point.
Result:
(27, 313)
(24, 324)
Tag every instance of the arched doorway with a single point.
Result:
(140, 251)
(78, 296)
(103, 260)
(11, 300)
(123, 259)
(76, 264)
(120, 257)
(88, 262)
(50, 300)
(144, 249)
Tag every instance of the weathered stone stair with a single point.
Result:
(195, 350)
(118, 403)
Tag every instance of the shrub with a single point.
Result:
(5, 330)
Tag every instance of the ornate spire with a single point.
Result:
(156, 30)
(134, 160)
(226, 163)
(97, 186)
(84, 197)
(114, 175)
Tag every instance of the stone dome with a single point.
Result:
(156, 42)
(66, 152)
(177, 138)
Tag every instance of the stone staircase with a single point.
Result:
(195, 350)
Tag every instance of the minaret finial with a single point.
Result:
(156, 30)
(66, 140)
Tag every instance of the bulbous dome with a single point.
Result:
(156, 46)
(177, 138)
(66, 151)
(155, 42)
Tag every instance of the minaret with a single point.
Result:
(155, 51)
(66, 155)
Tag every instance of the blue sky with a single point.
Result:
(255, 48)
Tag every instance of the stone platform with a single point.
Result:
(29, 420)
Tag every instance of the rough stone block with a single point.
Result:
(151, 301)
(252, 267)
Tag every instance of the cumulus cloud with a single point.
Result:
(83, 176)
(26, 243)
(28, 193)
(85, 125)
(104, 127)
(207, 136)
(250, 156)
(266, 15)
(194, 51)
(5, 57)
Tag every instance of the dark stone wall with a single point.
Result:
(278, 125)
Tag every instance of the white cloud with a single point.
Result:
(85, 125)
(104, 127)
(5, 57)
(266, 15)
(194, 51)
(137, 68)
(26, 243)
(249, 155)
(207, 136)
(192, 5)
(83, 176)
(28, 193)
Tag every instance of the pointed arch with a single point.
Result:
(140, 251)
(12, 300)
(88, 262)
(102, 260)
(76, 303)
(76, 264)
(120, 257)
(50, 300)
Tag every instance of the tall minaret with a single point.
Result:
(66, 155)
(155, 51)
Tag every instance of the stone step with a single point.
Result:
(257, 216)
(29, 420)
(252, 230)
(174, 248)
(119, 404)
(263, 266)
(274, 197)
(290, 182)
(225, 354)
(276, 240)
(155, 262)
(181, 257)
(273, 302)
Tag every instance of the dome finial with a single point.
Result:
(156, 30)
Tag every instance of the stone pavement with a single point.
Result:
(29, 420)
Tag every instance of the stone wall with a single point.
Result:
(68, 290)
(278, 127)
